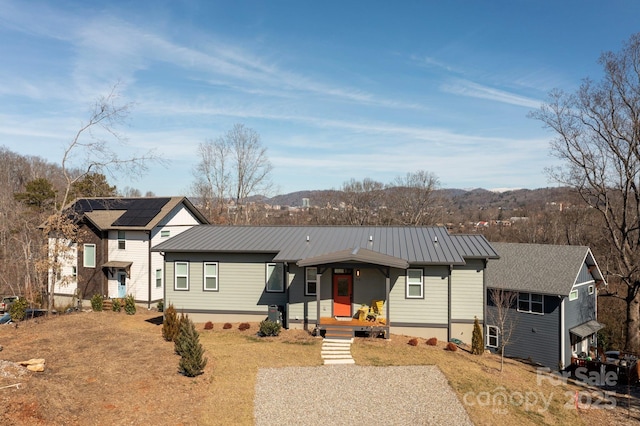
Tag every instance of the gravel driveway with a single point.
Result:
(350, 394)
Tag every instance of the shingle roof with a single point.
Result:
(129, 213)
(539, 268)
(416, 245)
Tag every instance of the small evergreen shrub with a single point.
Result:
(432, 341)
(269, 328)
(191, 352)
(227, 325)
(208, 325)
(18, 310)
(97, 302)
(244, 326)
(160, 305)
(170, 326)
(130, 305)
(413, 342)
(477, 342)
(452, 347)
(116, 305)
(183, 319)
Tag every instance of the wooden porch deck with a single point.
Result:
(347, 328)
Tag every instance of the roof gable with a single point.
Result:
(539, 268)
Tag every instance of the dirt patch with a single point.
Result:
(101, 368)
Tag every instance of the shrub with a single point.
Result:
(208, 325)
(130, 305)
(97, 302)
(227, 325)
(432, 341)
(191, 352)
(18, 309)
(244, 326)
(413, 342)
(160, 305)
(182, 320)
(269, 328)
(116, 306)
(477, 342)
(452, 347)
(170, 326)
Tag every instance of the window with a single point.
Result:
(121, 240)
(311, 281)
(211, 276)
(165, 234)
(89, 256)
(530, 302)
(573, 295)
(182, 276)
(492, 336)
(591, 289)
(158, 278)
(414, 284)
(74, 271)
(275, 277)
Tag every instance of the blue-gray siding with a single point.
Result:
(578, 312)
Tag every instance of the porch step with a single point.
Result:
(338, 333)
(337, 351)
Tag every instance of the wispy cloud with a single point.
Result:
(475, 90)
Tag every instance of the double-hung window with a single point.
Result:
(311, 281)
(181, 276)
(275, 277)
(211, 276)
(531, 302)
(573, 295)
(158, 278)
(89, 256)
(492, 336)
(415, 285)
(121, 240)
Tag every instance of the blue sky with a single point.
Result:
(336, 89)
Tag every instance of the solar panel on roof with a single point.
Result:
(141, 211)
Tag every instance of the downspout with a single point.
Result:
(449, 303)
(562, 334)
(149, 267)
(484, 298)
(318, 289)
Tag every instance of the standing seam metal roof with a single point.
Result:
(417, 245)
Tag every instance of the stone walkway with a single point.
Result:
(337, 351)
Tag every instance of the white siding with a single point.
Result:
(467, 292)
(136, 251)
(68, 283)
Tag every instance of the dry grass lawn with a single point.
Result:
(111, 368)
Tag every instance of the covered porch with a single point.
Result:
(356, 271)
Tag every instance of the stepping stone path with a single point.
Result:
(337, 351)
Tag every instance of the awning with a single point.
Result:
(116, 264)
(355, 255)
(586, 329)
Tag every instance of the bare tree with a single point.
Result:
(499, 314)
(233, 166)
(598, 140)
(413, 199)
(92, 149)
(363, 201)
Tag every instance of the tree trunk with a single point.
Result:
(633, 323)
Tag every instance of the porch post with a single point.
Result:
(318, 287)
(387, 289)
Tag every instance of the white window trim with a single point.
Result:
(573, 295)
(175, 275)
(307, 281)
(491, 335)
(205, 276)
(409, 284)
(531, 302)
(266, 271)
(84, 256)
(161, 278)
(591, 289)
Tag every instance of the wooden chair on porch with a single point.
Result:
(376, 313)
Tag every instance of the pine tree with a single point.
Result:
(191, 352)
(477, 342)
(170, 326)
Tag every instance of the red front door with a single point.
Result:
(342, 288)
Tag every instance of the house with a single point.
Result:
(555, 312)
(112, 254)
(430, 283)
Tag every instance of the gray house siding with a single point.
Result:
(241, 284)
(577, 312)
(301, 306)
(429, 310)
(536, 336)
(467, 291)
